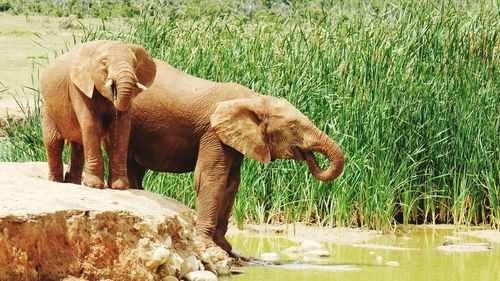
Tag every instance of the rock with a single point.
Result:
(317, 253)
(57, 230)
(159, 257)
(379, 259)
(269, 257)
(236, 253)
(315, 260)
(190, 264)
(223, 267)
(200, 276)
(309, 245)
(217, 254)
(392, 263)
(293, 252)
(466, 247)
(309, 251)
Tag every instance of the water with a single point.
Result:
(347, 262)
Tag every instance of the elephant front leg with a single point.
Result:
(117, 148)
(210, 180)
(233, 182)
(94, 176)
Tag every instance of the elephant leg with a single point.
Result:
(54, 145)
(117, 151)
(136, 174)
(94, 176)
(210, 177)
(233, 182)
(77, 160)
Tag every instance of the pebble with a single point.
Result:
(200, 276)
(379, 259)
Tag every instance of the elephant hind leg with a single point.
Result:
(54, 145)
(136, 174)
(77, 160)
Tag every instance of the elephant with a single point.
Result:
(184, 123)
(86, 96)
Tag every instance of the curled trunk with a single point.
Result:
(125, 83)
(326, 146)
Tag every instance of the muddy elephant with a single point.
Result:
(86, 95)
(184, 124)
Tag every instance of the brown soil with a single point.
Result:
(51, 231)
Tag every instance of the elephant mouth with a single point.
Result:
(298, 154)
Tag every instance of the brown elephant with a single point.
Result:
(184, 124)
(87, 94)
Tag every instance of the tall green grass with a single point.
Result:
(409, 89)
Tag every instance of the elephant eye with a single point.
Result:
(104, 62)
(294, 128)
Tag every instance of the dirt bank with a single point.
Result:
(54, 230)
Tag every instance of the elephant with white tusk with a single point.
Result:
(183, 123)
(87, 94)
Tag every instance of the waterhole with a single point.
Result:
(415, 254)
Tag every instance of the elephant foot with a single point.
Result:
(221, 241)
(70, 178)
(93, 181)
(209, 242)
(56, 178)
(119, 183)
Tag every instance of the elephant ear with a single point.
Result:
(81, 70)
(145, 69)
(238, 125)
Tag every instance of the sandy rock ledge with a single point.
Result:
(53, 231)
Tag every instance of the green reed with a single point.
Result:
(409, 90)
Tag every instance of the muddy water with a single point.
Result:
(415, 250)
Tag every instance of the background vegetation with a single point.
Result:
(409, 89)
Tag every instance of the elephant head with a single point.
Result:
(116, 70)
(266, 128)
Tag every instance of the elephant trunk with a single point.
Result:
(326, 146)
(125, 86)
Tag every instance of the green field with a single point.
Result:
(409, 89)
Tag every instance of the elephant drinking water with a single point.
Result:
(183, 123)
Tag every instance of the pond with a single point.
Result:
(414, 254)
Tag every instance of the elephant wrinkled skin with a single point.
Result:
(183, 123)
(87, 94)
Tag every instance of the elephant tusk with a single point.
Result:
(110, 88)
(140, 86)
(109, 82)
